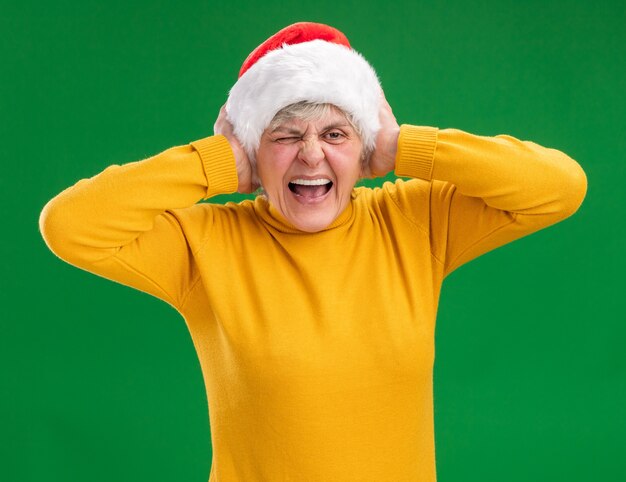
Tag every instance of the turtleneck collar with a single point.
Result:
(271, 216)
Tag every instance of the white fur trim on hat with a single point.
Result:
(315, 71)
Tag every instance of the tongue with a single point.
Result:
(310, 191)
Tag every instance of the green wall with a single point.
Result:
(101, 383)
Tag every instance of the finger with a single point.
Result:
(366, 172)
(216, 124)
(222, 112)
(222, 124)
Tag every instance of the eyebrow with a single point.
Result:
(293, 130)
(289, 130)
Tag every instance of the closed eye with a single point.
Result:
(286, 140)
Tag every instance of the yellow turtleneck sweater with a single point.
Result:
(317, 349)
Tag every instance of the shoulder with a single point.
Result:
(402, 193)
(414, 199)
(203, 218)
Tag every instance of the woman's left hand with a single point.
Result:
(383, 160)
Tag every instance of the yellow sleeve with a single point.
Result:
(121, 224)
(487, 191)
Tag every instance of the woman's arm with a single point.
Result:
(484, 191)
(122, 224)
(487, 191)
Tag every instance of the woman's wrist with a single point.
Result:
(416, 151)
(219, 164)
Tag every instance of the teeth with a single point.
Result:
(311, 182)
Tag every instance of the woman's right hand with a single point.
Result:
(245, 171)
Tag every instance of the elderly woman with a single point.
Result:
(312, 307)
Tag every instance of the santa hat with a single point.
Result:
(303, 62)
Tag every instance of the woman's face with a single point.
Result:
(308, 169)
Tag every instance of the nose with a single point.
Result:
(311, 152)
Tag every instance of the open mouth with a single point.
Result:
(310, 188)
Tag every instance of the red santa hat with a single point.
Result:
(303, 62)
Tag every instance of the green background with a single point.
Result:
(101, 383)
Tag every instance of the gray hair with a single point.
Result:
(310, 111)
